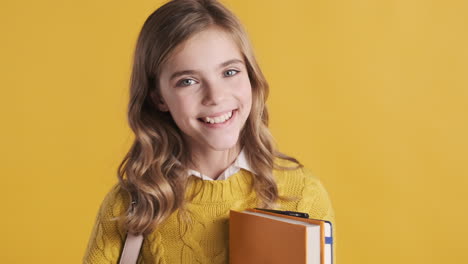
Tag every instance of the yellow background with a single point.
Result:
(370, 95)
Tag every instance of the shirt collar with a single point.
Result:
(240, 163)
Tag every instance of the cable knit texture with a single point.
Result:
(205, 239)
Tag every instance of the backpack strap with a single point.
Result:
(132, 246)
(131, 249)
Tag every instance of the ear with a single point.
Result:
(159, 102)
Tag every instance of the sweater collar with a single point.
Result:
(240, 163)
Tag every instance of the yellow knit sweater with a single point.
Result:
(206, 239)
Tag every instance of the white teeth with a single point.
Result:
(218, 119)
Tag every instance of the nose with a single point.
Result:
(214, 93)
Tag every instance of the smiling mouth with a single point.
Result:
(219, 119)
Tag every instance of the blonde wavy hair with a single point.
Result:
(154, 172)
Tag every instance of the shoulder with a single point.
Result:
(115, 202)
(107, 236)
(290, 171)
(304, 184)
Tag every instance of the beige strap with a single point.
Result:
(131, 249)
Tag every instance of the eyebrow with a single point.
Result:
(184, 72)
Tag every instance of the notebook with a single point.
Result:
(262, 237)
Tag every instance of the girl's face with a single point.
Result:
(205, 87)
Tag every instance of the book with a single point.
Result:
(257, 236)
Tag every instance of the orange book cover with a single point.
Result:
(257, 239)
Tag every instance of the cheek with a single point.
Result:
(246, 97)
(245, 92)
(180, 107)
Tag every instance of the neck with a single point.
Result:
(213, 162)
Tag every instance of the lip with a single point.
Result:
(221, 125)
(218, 113)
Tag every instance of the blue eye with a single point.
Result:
(185, 82)
(230, 73)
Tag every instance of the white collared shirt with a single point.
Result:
(240, 163)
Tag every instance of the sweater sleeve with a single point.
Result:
(317, 203)
(107, 238)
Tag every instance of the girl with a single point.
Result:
(202, 145)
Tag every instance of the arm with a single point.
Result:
(107, 238)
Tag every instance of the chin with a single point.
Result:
(223, 143)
